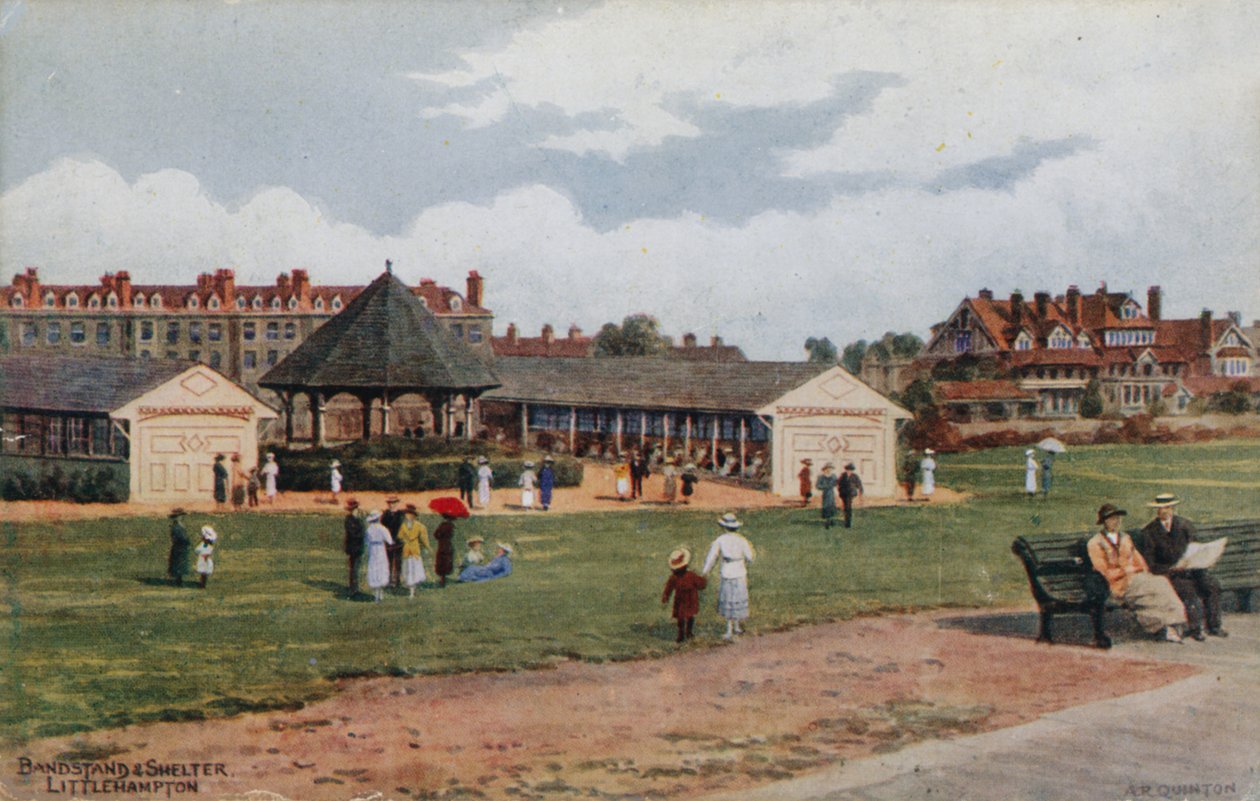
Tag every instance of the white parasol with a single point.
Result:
(1052, 445)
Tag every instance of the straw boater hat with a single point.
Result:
(548, 459)
(1029, 452)
(208, 534)
(335, 463)
(178, 511)
(475, 539)
(807, 461)
(1109, 510)
(690, 466)
(929, 451)
(504, 546)
(482, 460)
(392, 499)
(1164, 499)
(679, 557)
(352, 504)
(729, 522)
(411, 509)
(373, 516)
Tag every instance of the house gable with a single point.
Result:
(835, 391)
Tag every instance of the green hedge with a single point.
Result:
(399, 465)
(39, 478)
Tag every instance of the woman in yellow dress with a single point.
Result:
(415, 540)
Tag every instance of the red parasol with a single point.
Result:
(449, 507)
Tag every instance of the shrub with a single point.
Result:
(1092, 400)
(34, 478)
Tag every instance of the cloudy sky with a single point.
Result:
(766, 171)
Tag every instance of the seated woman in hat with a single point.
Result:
(1151, 597)
(498, 567)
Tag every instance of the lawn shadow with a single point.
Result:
(339, 591)
(1069, 629)
(165, 581)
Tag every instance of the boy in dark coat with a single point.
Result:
(685, 586)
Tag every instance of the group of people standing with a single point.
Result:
(241, 487)
(847, 487)
(734, 552)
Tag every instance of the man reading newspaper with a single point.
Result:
(1169, 547)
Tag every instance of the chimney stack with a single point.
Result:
(1154, 303)
(1102, 288)
(28, 283)
(476, 284)
(225, 285)
(282, 281)
(1043, 304)
(203, 281)
(1017, 307)
(548, 334)
(715, 341)
(511, 333)
(122, 288)
(1205, 328)
(689, 340)
(574, 332)
(986, 294)
(302, 285)
(1236, 317)
(1074, 304)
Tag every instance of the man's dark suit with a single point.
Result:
(354, 548)
(1198, 590)
(850, 486)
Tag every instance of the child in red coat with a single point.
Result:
(685, 587)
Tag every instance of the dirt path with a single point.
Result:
(597, 493)
(709, 718)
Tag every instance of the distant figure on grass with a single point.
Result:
(378, 541)
(239, 479)
(205, 554)
(670, 474)
(927, 469)
(1152, 598)
(685, 585)
(466, 480)
(827, 484)
(735, 553)
(498, 567)
(253, 483)
(850, 489)
(621, 472)
(638, 471)
(415, 541)
(1047, 474)
(546, 482)
(1030, 473)
(474, 554)
(353, 543)
(909, 474)
(1165, 541)
(689, 480)
(334, 480)
(177, 559)
(220, 482)
(392, 519)
(806, 477)
(527, 482)
(484, 476)
(270, 473)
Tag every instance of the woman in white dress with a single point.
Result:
(734, 552)
(269, 472)
(378, 559)
(928, 468)
(484, 476)
(1030, 472)
(335, 479)
(528, 481)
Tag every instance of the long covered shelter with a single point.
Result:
(771, 414)
(383, 345)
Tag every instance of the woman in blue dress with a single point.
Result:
(826, 484)
(498, 567)
(546, 482)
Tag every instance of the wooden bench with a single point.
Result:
(1064, 582)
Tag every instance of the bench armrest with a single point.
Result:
(1059, 567)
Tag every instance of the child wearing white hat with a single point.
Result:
(205, 554)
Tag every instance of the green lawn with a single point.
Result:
(96, 638)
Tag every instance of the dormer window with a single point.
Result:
(257, 304)
(155, 301)
(1129, 311)
(50, 300)
(275, 303)
(112, 301)
(240, 303)
(193, 302)
(456, 303)
(319, 304)
(336, 303)
(1060, 339)
(16, 301)
(138, 299)
(72, 301)
(1023, 341)
(94, 302)
(293, 303)
(1082, 341)
(213, 303)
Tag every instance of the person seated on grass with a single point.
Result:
(498, 567)
(474, 555)
(1151, 597)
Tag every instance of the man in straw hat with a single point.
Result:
(1151, 597)
(353, 543)
(685, 586)
(1163, 542)
(735, 553)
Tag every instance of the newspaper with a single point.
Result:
(1201, 555)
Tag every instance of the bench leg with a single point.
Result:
(1046, 632)
(1101, 640)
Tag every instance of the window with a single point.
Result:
(458, 330)
(293, 303)
(30, 332)
(172, 333)
(474, 333)
(194, 355)
(423, 302)
(319, 304)
(102, 334)
(1060, 339)
(273, 356)
(215, 332)
(962, 342)
(54, 333)
(240, 303)
(56, 439)
(72, 301)
(275, 303)
(146, 354)
(336, 304)
(16, 301)
(78, 333)
(194, 332)
(1023, 343)
(216, 359)
(146, 330)
(113, 301)
(1129, 311)
(249, 332)
(155, 302)
(456, 303)
(251, 359)
(213, 303)
(273, 331)
(94, 302)
(138, 300)
(50, 300)
(193, 302)
(172, 354)
(290, 330)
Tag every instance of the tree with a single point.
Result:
(854, 352)
(918, 396)
(888, 347)
(1092, 400)
(638, 335)
(821, 351)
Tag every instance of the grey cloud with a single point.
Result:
(1001, 173)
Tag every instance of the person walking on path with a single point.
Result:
(220, 482)
(1047, 474)
(806, 477)
(546, 482)
(850, 489)
(689, 480)
(466, 480)
(177, 559)
(378, 541)
(638, 471)
(1030, 473)
(927, 469)
(444, 559)
(270, 473)
(484, 476)
(734, 552)
(670, 475)
(334, 479)
(392, 519)
(205, 555)
(1151, 597)
(415, 541)
(827, 484)
(527, 482)
(685, 585)
(353, 543)
(1164, 541)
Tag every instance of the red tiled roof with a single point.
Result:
(1211, 384)
(1070, 356)
(707, 353)
(983, 390)
(1233, 350)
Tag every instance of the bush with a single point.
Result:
(1092, 401)
(37, 478)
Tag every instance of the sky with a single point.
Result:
(766, 171)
